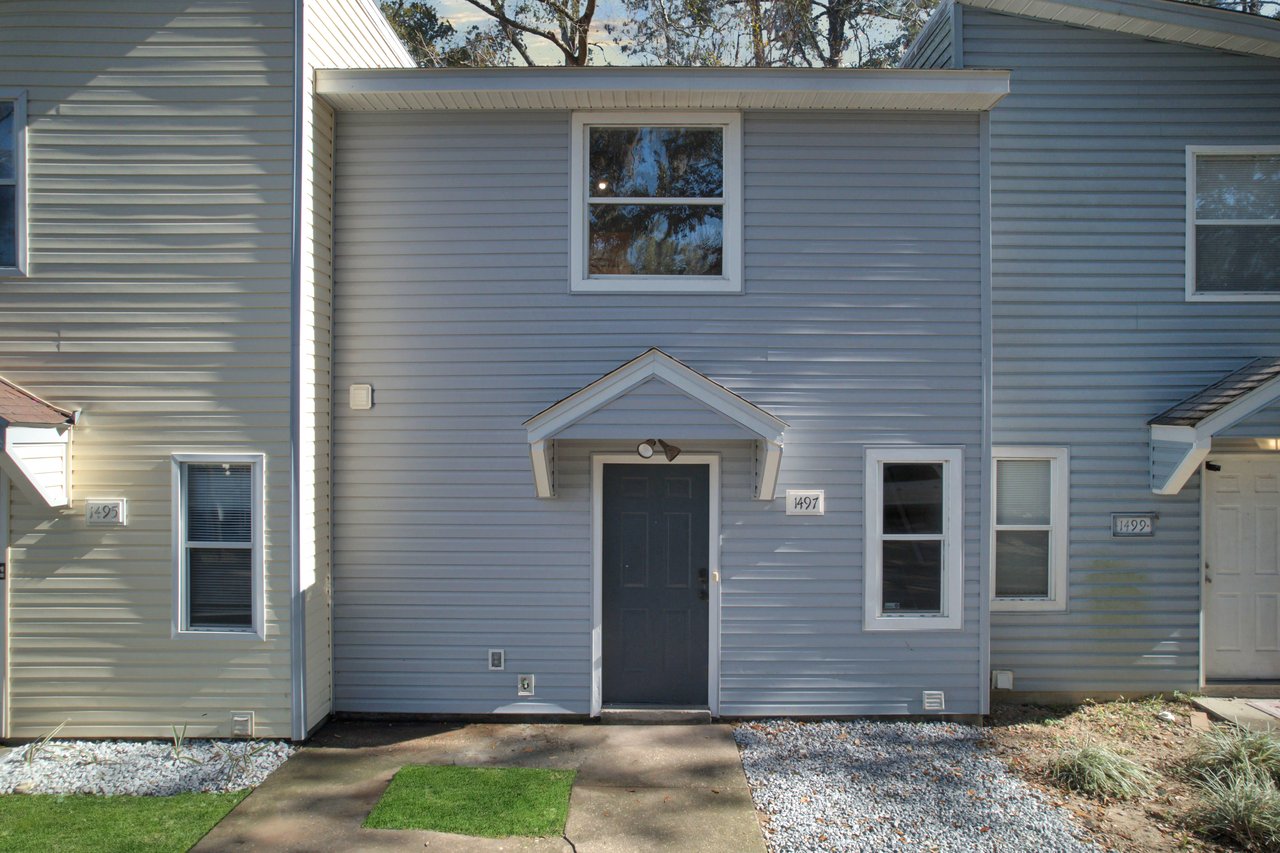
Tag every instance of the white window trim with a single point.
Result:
(1193, 151)
(731, 280)
(1059, 459)
(19, 98)
(180, 626)
(952, 616)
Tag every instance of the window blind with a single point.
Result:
(220, 540)
(1023, 491)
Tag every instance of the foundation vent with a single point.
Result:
(935, 700)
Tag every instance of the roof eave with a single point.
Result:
(660, 88)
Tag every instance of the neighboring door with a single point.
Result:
(1242, 568)
(655, 584)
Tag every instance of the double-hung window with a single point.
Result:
(1030, 548)
(1233, 223)
(914, 539)
(218, 530)
(13, 203)
(656, 204)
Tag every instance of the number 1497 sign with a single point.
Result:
(809, 502)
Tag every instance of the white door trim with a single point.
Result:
(598, 461)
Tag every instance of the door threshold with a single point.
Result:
(654, 715)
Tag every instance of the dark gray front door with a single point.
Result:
(655, 583)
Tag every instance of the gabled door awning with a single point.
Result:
(35, 445)
(1182, 436)
(730, 416)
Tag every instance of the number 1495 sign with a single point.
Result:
(807, 502)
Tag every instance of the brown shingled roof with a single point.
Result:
(19, 406)
(1220, 394)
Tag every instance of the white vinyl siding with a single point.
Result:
(1233, 223)
(587, 196)
(13, 182)
(218, 544)
(157, 300)
(917, 541)
(1029, 551)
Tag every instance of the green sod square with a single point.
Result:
(493, 802)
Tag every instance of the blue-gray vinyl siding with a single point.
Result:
(935, 47)
(860, 324)
(1092, 333)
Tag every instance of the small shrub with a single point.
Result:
(1240, 806)
(1231, 749)
(1098, 772)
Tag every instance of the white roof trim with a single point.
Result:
(38, 461)
(1162, 20)
(543, 427)
(604, 88)
(1199, 438)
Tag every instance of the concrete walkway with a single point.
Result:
(1238, 711)
(639, 788)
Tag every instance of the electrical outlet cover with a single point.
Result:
(524, 685)
(497, 659)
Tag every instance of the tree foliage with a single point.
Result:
(810, 33)
(434, 43)
(761, 33)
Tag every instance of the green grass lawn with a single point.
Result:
(493, 802)
(36, 823)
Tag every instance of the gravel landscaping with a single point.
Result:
(867, 786)
(141, 768)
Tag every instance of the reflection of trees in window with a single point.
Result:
(656, 201)
(1237, 211)
(659, 162)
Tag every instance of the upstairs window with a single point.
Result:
(656, 203)
(219, 534)
(1233, 223)
(13, 115)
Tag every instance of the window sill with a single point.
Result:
(1227, 296)
(1027, 605)
(12, 272)
(220, 633)
(657, 284)
(913, 623)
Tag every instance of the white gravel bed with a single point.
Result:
(143, 768)
(869, 786)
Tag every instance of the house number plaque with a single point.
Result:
(104, 512)
(808, 502)
(1125, 524)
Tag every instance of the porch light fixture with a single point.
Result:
(645, 449)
